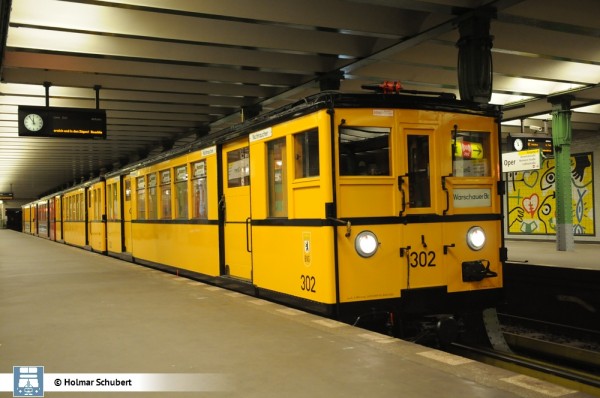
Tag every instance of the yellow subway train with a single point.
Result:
(354, 206)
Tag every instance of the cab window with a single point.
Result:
(471, 154)
(306, 154)
(418, 171)
(364, 151)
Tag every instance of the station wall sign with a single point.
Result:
(40, 121)
(521, 160)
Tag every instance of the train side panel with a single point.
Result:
(291, 186)
(174, 204)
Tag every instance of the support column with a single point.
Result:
(561, 138)
(475, 57)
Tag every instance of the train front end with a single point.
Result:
(418, 210)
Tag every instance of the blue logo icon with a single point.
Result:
(28, 381)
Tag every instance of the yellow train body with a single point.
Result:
(339, 204)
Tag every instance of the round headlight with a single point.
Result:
(476, 238)
(366, 243)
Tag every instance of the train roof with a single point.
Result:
(425, 100)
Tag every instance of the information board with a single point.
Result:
(36, 121)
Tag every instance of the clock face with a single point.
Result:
(33, 122)
(518, 144)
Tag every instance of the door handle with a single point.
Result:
(248, 233)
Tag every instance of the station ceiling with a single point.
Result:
(167, 71)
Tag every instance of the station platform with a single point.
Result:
(583, 255)
(74, 311)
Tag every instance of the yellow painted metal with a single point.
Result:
(295, 261)
(378, 277)
(197, 245)
(456, 233)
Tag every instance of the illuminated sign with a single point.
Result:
(468, 150)
(523, 143)
(37, 121)
(6, 195)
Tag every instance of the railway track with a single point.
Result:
(578, 348)
(558, 374)
(556, 353)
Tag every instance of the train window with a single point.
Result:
(419, 192)
(181, 192)
(165, 194)
(127, 190)
(364, 151)
(200, 197)
(306, 154)
(238, 168)
(152, 199)
(277, 178)
(141, 198)
(116, 213)
(81, 203)
(471, 154)
(112, 205)
(97, 205)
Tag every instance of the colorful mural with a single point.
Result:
(532, 204)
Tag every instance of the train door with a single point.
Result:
(59, 219)
(423, 231)
(235, 202)
(114, 219)
(127, 214)
(52, 219)
(34, 219)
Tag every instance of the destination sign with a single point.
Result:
(36, 121)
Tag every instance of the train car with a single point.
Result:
(349, 205)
